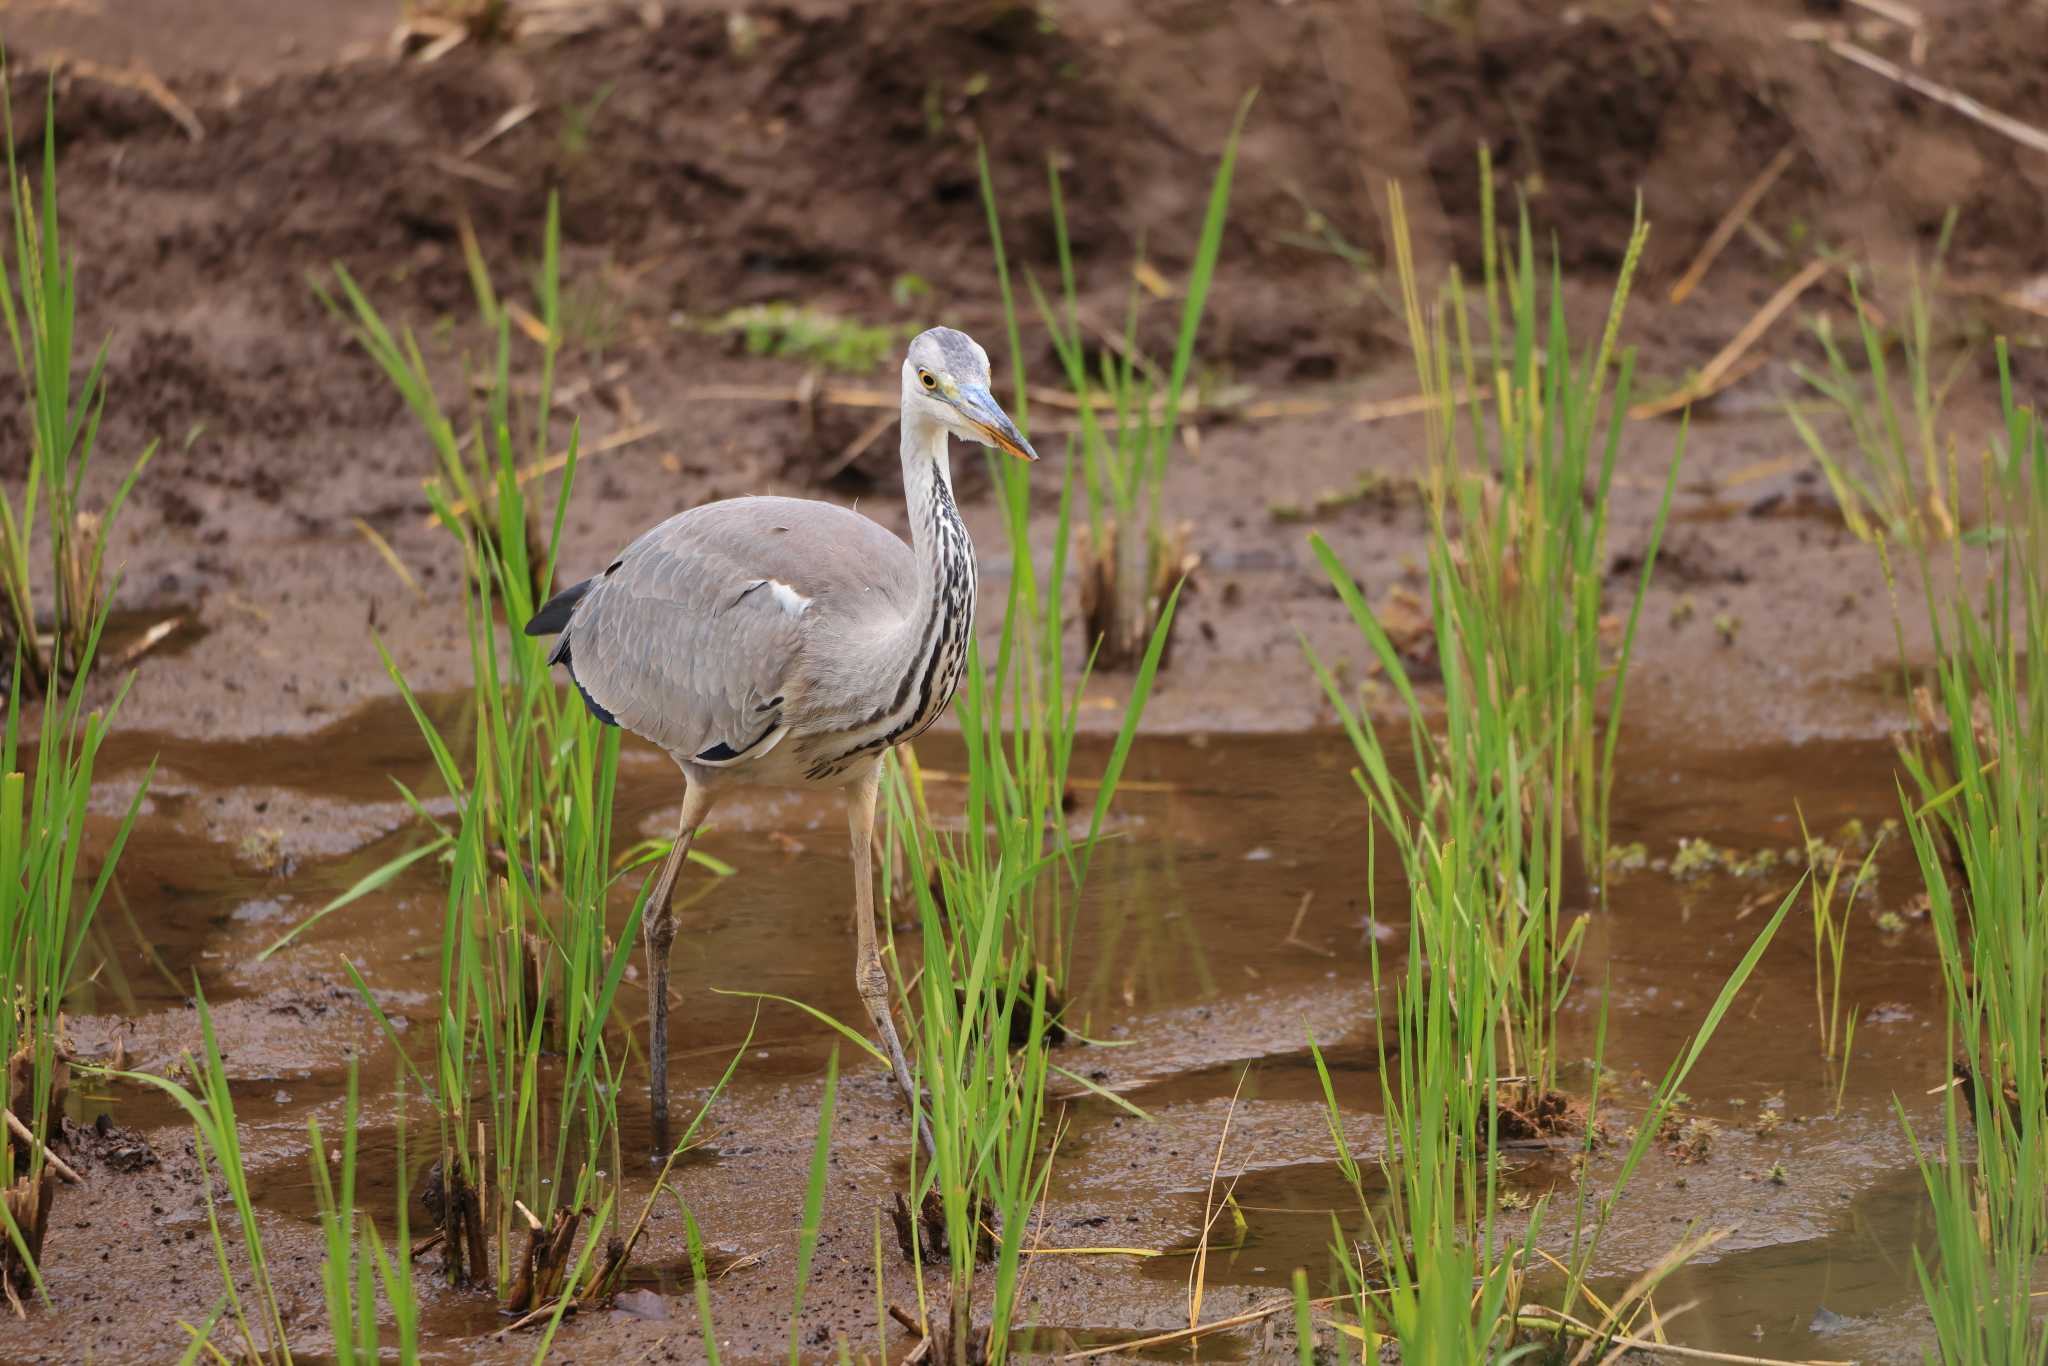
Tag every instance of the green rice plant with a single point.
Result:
(1518, 504)
(48, 901)
(1516, 759)
(39, 304)
(990, 900)
(479, 496)
(1979, 824)
(525, 996)
(997, 900)
(257, 1317)
(1889, 481)
(357, 1261)
(1493, 787)
(1129, 414)
(1437, 1271)
(814, 1205)
(1452, 1281)
(1831, 943)
(524, 1079)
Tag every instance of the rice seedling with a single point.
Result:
(1976, 818)
(1518, 504)
(1129, 414)
(39, 303)
(1518, 525)
(997, 901)
(524, 1079)
(1437, 1270)
(48, 902)
(1518, 518)
(357, 1261)
(257, 1317)
(1492, 787)
(1831, 943)
(814, 1205)
(1889, 481)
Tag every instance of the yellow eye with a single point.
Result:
(927, 379)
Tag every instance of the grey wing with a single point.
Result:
(694, 636)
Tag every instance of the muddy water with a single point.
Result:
(1227, 922)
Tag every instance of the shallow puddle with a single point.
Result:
(1227, 922)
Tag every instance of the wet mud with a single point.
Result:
(1179, 970)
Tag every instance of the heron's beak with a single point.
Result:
(987, 417)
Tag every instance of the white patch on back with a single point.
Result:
(787, 598)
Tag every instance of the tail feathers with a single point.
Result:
(553, 618)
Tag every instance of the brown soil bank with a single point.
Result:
(826, 154)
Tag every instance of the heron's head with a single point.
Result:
(945, 378)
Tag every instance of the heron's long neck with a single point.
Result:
(932, 647)
(914, 670)
(936, 531)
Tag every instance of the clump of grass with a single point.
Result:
(47, 907)
(793, 332)
(1518, 516)
(1889, 481)
(524, 1081)
(256, 1315)
(997, 899)
(39, 304)
(1516, 564)
(1518, 504)
(1129, 413)
(1436, 1271)
(1976, 804)
(996, 902)
(357, 1261)
(1831, 945)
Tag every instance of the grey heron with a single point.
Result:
(787, 642)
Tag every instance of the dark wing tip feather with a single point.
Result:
(553, 618)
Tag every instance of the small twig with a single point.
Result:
(390, 557)
(1668, 1349)
(2025, 134)
(505, 123)
(1285, 1306)
(469, 170)
(1737, 215)
(150, 639)
(57, 1164)
(853, 449)
(144, 82)
(1294, 930)
(1716, 374)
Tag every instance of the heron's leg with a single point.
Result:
(658, 933)
(868, 974)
